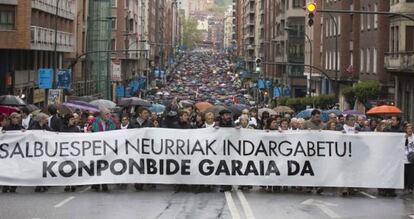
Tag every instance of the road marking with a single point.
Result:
(84, 190)
(323, 206)
(60, 204)
(246, 207)
(368, 195)
(232, 206)
(411, 216)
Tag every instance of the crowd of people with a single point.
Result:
(188, 117)
(202, 79)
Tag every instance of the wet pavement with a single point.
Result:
(165, 202)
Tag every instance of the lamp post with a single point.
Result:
(55, 57)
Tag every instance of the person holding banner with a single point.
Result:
(70, 126)
(409, 167)
(55, 122)
(227, 122)
(15, 125)
(142, 121)
(103, 123)
(209, 120)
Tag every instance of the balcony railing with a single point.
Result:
(49, 6)
(44, 39)
(402, 61)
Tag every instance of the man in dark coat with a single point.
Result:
(183, 121)
(55, 122)
(226, 121)
(395, 127)
(143, 119)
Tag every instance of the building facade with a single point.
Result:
(27, 33)
(399, 60)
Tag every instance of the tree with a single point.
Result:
(191, 35)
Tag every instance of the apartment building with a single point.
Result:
(399, 61)
(289, 36)
(27, 33)
(349, 47)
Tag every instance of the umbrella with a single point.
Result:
(76, 104)
(202, 106)
(102, 103)
(304, 114)
(353, 112)
(270, 111)
(238, 108)
(325, 114)
(32, 107)
(158, 108)
(283, 109)
(384, 109)
(134, 101)
(216, 109)
(184, 103)
(10, 100)
(8, 109)
(63, 110)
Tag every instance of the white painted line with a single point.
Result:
(368, 195)
(411, 216)
(327, 211)
(246, 207)
(232, 206)
(323, 206)
(60, 204)
(84, 190)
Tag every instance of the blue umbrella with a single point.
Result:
(325, 114)
(304, 114)
(158, 108)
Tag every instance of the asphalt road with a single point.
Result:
(166, 202)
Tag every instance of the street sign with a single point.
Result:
(45, 78)
(38, 95)
(64, 79)
(54, 96)
(116, 70)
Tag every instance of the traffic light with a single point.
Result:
(311, 9)
(258, 64)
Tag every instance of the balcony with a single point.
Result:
(44, 38)
(49, 6)
(399, 62)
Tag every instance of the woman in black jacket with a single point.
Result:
(70, 126)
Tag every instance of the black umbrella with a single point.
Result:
(10, 100)
(134, 101)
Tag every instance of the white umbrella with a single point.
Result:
(103, 103)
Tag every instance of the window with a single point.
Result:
(376, 16)
(362, 19)
(339, 25)
(7, 19)
(361, 64)
(114, 3)
(113, 44)
(327, 28)
(351, 58)
(298, 3)
(369, 18)
(113, 23)
(374, 69)
(326, 60)
(368, 68)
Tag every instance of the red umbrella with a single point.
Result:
(384, 109)
(8, 109)
(202, 106)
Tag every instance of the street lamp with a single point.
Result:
(310, 60)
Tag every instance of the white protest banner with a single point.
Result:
(203, 156)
